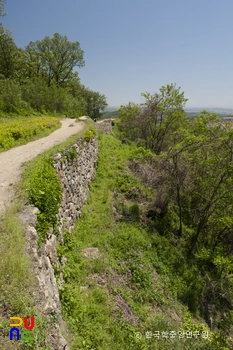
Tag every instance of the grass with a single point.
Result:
(31, 167)
(17, 281)
(122, 297)
(117, 300)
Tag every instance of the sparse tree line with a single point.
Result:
(190, 167)
(41, 77)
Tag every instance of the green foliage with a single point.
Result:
(17, 283)
(17, 279)
(95, 102)
(111, 301)
(45, 193)
(125, 182)
(127, 115)
(128, 212)
(90, 134)
(54, 58)
(10, 96)
(16, 133)
(110, 115)
(2, 3)
(195, 175)
(159, 121)
(9, 55)
(71, 154)
(41, 78)
(143, 154)
(68, 244)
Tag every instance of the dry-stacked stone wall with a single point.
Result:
(75, 168)
(104, 126)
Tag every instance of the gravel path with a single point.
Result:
(11, 161)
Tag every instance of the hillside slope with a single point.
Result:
(121, 290)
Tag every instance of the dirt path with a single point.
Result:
(11, 161)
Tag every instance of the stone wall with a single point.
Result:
(104, 126)
(75, 168)
(75, 176)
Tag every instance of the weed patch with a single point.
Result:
(90, 134)
(45, 193)
(17, 133)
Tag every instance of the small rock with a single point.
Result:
(92, 253)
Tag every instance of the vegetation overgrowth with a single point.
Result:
(17, 281)
(109, 115)
(130, 290)
(43, 188)
(16, 133)
(190, 169)
(159, 213)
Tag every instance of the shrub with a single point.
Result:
(89, 134)
(15, 133)
(45, 192)
(71, 154)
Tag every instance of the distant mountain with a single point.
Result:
(190, 111)
(220, 111)
(111, 109)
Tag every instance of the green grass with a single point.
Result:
(108, 301)
(17, 281)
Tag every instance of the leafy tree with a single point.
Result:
(54, 58)
(128, 120)
(10, 95)
(196, 174)
(95, 102)
(41, 77)
(8, 54)
(163, 115)
(2, 3)
(157, 123)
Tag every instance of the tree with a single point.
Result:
(194, 175)
(96, 102)
(128, 120)
(2, 3)
(163, 115)
(8, 54)
(158, 121)
(54, 58)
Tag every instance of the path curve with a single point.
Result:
(11, 161)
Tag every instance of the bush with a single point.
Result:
(10, 95)
(45, 192)
(89, 134)
(15, 133)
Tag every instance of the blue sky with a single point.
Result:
(133, 46)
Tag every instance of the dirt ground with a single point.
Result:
(11, 161)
